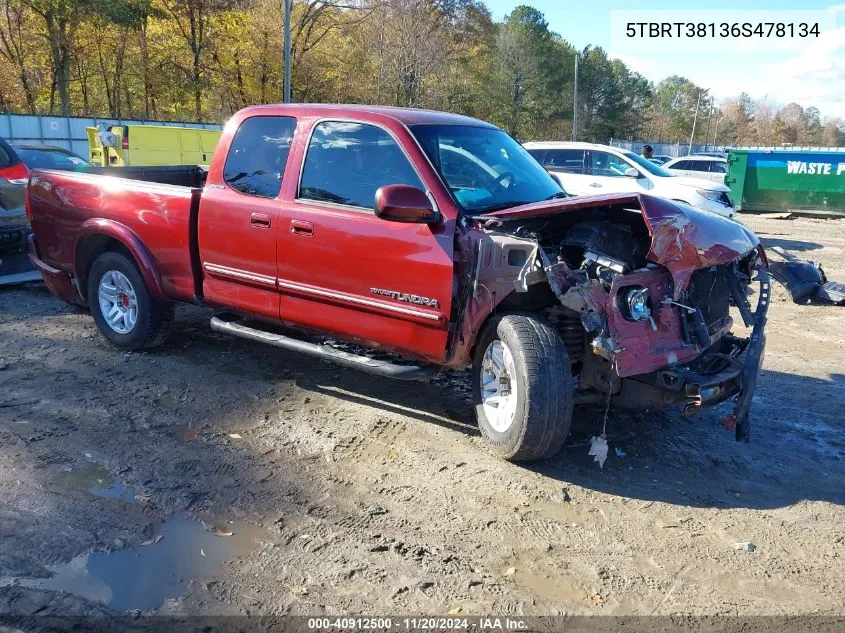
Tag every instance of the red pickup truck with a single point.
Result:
(428, 237)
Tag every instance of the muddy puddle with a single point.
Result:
(146, 576)
(96, 480)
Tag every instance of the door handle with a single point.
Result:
(300, 227)
(595, 184)
(261, 220)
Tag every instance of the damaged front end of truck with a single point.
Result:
(640, 290)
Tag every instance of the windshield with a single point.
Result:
(485, 168)
(50, 159)
(647, 165)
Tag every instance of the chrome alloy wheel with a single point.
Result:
(498, 386)
(118, 302)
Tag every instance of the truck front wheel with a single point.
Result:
(121, 304)
(522, 387)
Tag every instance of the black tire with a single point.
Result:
(544, 387)
(153, 318)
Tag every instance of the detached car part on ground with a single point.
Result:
(805, 280)
(551, 300)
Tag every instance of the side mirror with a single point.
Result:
(404, 203)
(632, 172)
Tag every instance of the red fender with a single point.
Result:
(123, 234)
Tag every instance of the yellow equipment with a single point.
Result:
(129, 145)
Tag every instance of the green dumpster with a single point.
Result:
(802, 182)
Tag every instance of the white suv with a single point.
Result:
(586, 168)
(708, 167)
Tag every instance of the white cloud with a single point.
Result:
(813, 76)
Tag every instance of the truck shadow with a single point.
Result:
(798, 439)
(796, 449)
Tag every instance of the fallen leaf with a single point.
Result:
(596, 598)
(456, 610)
(222, 533)
(235, 436)
(598, 449)
(153, 540)
(510, 571)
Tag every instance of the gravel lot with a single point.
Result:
(321, 490)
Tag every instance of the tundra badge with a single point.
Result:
(407, 297)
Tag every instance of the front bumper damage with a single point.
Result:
(686, 268)
(728, 369)
(651, 365)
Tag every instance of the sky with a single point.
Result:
(809, 72)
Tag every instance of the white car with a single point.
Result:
(708, 167)
(586, 168)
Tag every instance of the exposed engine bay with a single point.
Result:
(647, 333)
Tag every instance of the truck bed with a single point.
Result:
(67, 209)
(182, 175)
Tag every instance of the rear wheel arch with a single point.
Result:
(101, 236)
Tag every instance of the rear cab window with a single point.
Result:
(258, 155)
(347, 162)
(570, 161)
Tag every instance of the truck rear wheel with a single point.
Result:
(522, 387)
(121, 304)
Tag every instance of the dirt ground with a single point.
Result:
(336, 492)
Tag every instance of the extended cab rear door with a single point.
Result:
(344, 270)
(240, 217)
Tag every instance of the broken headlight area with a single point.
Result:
(635, 304)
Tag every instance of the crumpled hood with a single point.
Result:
(683, 239)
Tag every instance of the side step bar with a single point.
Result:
(324, 352)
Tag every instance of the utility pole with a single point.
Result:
(718, 118)
(287, 51)
(575, 103)
(707, 133)
(694, 120)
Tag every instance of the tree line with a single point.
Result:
(204, 59)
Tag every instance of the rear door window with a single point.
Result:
(5, 158)
(681, 164)
(347, 162)
(257, 157)
(718, 167)
(570, 161)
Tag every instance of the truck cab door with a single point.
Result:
(240, 218)
(346, 271)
